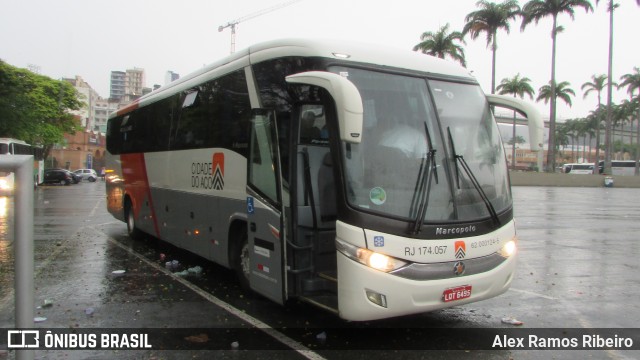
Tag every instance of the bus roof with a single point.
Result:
(10, 140)
(345, 51)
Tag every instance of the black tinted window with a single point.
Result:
(214, 114)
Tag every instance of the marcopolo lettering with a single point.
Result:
(459, 230)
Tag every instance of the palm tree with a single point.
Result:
(607, 162)
(489, 19)
(608, 121)
(632, 82)
(619, 116)
(442, 43)
(534, 11)
(584, 128)
(595, 119)
(564, 93)
(518, 87)
(597, 84)
(566, 135)
(563, 131)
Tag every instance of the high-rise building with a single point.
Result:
(117, 88)
(134, 82)
(128, 85)
(95, 110)
(89, 98)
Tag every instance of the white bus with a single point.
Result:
(370, 182)
(620, 167)
(9, 146)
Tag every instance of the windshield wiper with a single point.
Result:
(459, 158)
(423, 185)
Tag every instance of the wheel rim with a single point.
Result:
(131, 224)
(245, 261)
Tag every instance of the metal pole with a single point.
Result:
(22, 165)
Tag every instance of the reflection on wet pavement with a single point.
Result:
(577, 251)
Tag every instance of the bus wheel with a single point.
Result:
(132, 230)
(242, 264)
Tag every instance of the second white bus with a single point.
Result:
(9, 147)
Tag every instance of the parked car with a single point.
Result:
(58, 176)
(74, 177)
(87, 174)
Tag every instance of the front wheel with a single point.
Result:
(132, 230)
(242, 262)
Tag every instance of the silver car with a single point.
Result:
(87, 174)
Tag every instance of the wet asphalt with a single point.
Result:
(578, 268)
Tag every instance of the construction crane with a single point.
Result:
(232, 24)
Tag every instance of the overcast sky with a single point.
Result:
(90, 38)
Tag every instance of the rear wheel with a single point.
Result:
(92, 179)
(132, 230)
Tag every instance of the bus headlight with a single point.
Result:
(370, 258)
(508, 249)
(4, 185)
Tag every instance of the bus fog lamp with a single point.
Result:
(376, 298)
(508, 249)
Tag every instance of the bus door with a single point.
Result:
(313, 190)
(266, 235)
(314, 211)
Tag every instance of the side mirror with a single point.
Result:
(534, 119)
(346, 96)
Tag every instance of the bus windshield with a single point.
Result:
(407, 159)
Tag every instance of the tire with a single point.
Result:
(133, 232)
(92, 179)
(242, 262)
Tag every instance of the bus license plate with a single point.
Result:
(456, 293)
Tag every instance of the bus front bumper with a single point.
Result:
(368, 294)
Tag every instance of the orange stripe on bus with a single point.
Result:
(129, 108)
(136, 184)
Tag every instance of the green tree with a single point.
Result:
(518, 86)
(35, 108)
(489, 19)
(442, 43)
(632, 82)
(534, 11)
